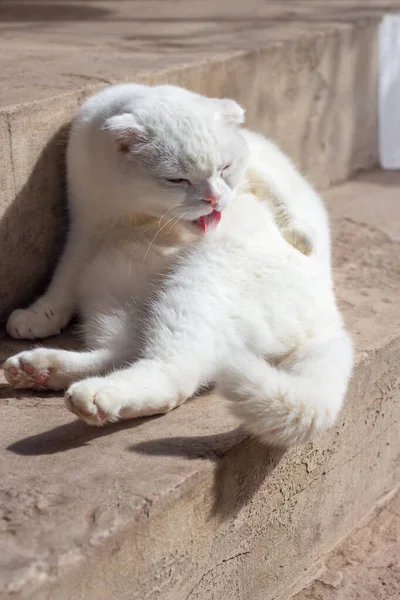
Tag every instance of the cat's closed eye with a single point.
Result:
(180, 181)
(226, 167)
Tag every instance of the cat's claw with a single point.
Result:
(94, 401)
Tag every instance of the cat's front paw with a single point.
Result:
(299, 238)
(38, 321)
(94, 400)
(21, 373)
(38, 369)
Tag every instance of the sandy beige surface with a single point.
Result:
(365, 566)
(184, 506)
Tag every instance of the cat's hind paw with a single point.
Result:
(94, 401)
(38, 321)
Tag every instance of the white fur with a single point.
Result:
(167, 309)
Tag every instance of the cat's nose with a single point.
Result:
(212, 198)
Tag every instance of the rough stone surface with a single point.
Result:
(42, 43)
(366, 566)
(302, 69)
(185, 506)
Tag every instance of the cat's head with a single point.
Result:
(183, 154)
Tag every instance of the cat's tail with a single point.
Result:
(290, 404)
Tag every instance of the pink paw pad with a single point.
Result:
(13, 370)
(42, 378)
(28, 368)
(101, 413)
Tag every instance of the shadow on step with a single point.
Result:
(44, 12)
(67, 437)
(241, 464)
(239, 470)
(33, 226)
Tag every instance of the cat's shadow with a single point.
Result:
(68, 436)
(241, 464)
(239, 470)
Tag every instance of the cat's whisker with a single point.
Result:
(170, 234)
(167, 211)
(246, 187)
(152, 241)
(178, 219)
(176, 223)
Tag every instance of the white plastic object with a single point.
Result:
(389, 91)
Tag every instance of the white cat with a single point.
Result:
(197, 253)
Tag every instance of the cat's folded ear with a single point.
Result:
(126, 131)
(229, 111)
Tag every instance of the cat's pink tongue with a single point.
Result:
(209, 221)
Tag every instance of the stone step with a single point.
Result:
(186, 506)
(365, 565)
(306, 72)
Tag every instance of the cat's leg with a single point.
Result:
(188, 327)
(146, 388)
(181, 353)
(298, 209)
(111, 335)
(291, 403)
(51, 312)
(54, 369)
